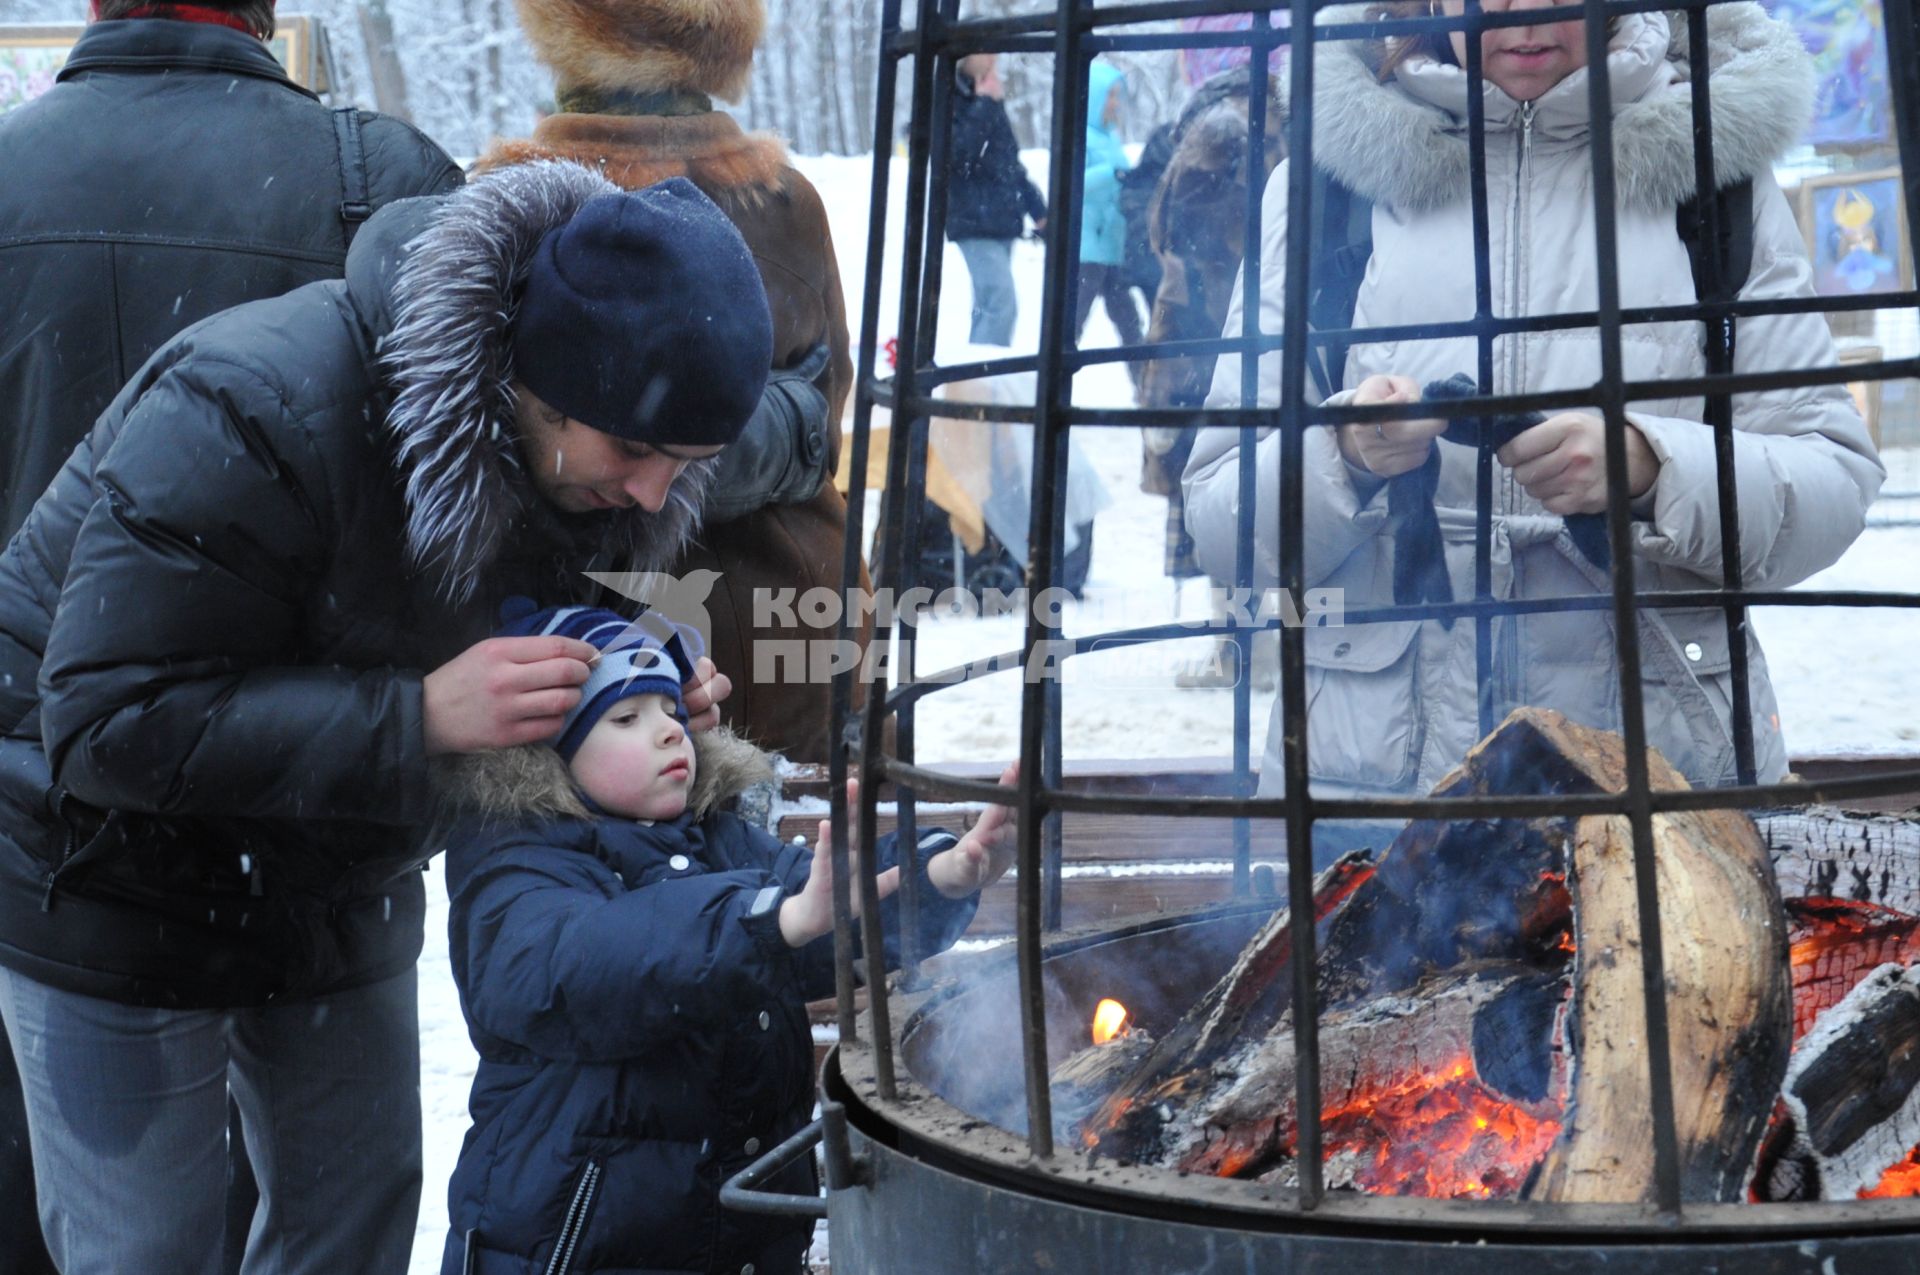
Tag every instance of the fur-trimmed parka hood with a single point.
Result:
(1404, 143)
(646, 46)
(441, 309)
(532, 782)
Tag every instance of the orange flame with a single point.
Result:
(1444, 1135)
(1838, 942)
(1902, 1181)
(1109, 1020)
(1441, 1134)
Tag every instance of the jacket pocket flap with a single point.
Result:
(1360, 648)
(1700, 638)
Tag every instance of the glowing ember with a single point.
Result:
(1109, 1020)
(1441, 1134)
(1899, 1182)
(1838, 942)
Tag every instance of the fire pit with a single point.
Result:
(1645, 1037)
(1474, 1125)
(940, 1180)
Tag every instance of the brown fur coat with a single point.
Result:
(780, 215)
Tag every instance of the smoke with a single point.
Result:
(968, 1046)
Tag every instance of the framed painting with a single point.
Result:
(30, 56)
(300, 44)
(1856, 231)
(1848, 41)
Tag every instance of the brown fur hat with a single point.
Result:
(647, 46)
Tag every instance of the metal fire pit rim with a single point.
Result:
(924, 1126)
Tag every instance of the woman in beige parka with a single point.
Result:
(1393, 706)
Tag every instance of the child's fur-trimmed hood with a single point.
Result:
(532, 782)
(448, 363)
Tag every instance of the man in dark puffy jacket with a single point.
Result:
(989, 195)
(172, 172)
(215, 722)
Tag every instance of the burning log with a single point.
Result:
(1250, 998)
(1728, 1008)
(1410, 1007)
(1085, 1079)
(1852, 1095)
(1835, 945)
(1822, 853)
(1411, 1084)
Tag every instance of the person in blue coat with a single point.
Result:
(634, 966)
(1103, 226)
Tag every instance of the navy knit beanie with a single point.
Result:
(644, 317)
(648, 655)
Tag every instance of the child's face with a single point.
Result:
(1524, 61)
(637, 761)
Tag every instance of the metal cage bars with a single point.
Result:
(1071, 34)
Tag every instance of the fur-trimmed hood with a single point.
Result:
(1404, 143)
(532, 783)
(646, 46)
(441, 310)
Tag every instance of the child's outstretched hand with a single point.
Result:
(808, 915)
(983, 855)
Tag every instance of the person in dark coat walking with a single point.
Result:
(989, 196)
(634, 965)
(216, 713)
(172, 171)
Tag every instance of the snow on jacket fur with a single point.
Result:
(641, 1023)
(1392, 706)
(214, 625)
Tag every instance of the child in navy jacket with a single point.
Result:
(634, 966)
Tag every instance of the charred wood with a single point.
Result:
(1463, 1026)
(1249, 999)
(1824, 853)
(1853, 1092)
(1728, 1009)
(1551, 903)
(1835, 944)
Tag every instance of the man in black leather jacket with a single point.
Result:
(173, 171)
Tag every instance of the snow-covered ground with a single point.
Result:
(1846, 681)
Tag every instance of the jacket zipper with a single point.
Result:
(1507, 675)
(576, 1220)
(1516, 293)
(72, 847)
